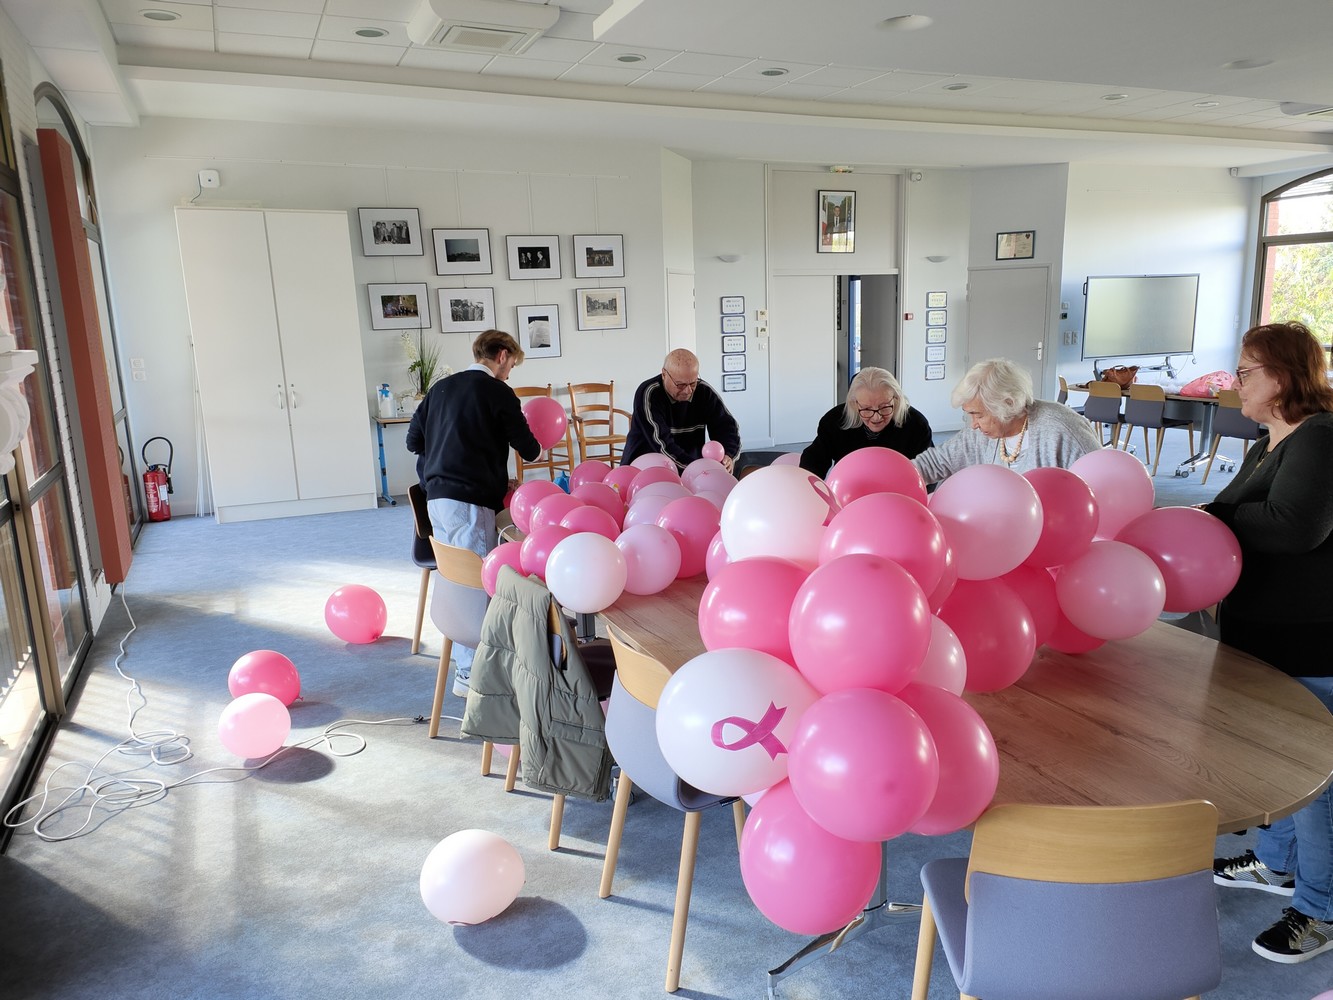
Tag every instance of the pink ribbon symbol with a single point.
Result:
(760, 732)
(824, 493)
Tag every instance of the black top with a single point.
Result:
(463, 431)
(832, 442)
(677, 430)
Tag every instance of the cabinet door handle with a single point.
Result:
(282, 399)
(295, 399)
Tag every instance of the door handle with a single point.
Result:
(282, 399)
(295, 399)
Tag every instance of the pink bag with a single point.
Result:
(1208, 385)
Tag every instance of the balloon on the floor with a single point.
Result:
(355, 613)
(471, 876)
(267, 671)
(254, 725)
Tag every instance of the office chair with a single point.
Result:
(458, 608)
(1228, 421)
(1103, 407)
(1147, 409)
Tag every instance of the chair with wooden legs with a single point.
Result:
(1102, 407)
(1229, 422)
(631, 733)
(1146, 408)
(1063, 396)
(1096, 902)
(595, 421)
(558, 456)
(458, 607)
(422, 554)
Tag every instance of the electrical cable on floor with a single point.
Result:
(163, 747)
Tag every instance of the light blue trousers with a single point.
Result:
(465, 526)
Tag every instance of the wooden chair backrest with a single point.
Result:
(1091, 844)
(1064, 389)
(528, 391)
(461, 566)
(1147, 391)
(640, 674)
(1108, 389)
(577, 389)
(1229, 398)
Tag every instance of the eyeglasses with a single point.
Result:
(681, 385)
(870, 412)
(1243, 373)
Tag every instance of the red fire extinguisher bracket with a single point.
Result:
(157, 483)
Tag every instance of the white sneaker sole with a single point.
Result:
(1276, 890)
(1275, 956)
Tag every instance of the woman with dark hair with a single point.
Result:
(1280, 507)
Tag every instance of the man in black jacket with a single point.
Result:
(675, 413)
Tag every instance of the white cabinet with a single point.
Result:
(277, 348)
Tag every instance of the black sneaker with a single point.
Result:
(1249, 872)
(1294, 938)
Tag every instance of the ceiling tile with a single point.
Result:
(191, 16)
(267, 22)
(376, 10)
(737, 85)
(704, 64)
(356, 52)
(900, 82)
(841, 76)
(800, 92)
(755, 70)
(611, 75)
(672, 81)
(238, 44)
(532, 69)
(292, 6)
(166, 38)
(558, 49)
(419, 57)
(343, 29)
(608, 55)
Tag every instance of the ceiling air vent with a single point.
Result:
(1306, 110)
(493, 26)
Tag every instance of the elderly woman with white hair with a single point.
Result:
(875, 415)
(1007, 426)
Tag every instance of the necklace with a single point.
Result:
(1018, 448)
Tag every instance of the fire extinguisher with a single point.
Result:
(157, 483)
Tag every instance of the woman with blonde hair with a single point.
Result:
(875, 415)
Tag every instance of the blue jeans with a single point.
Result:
(465, 526)
(1302, 843)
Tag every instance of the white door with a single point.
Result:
(680, 311)
(1008, 316)
(803, 353)
(234, 328)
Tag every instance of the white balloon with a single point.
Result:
(777, 511)
(470, 876)
(586, 572)
(945, 665)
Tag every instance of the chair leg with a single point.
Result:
(557, 820)
(441, 678)
(511, 773)
(624, 789)
(925, 952)
(1157, 455)
(487, 749)
(1212, 454)
(738, 815)
(421, 610)
(689, 848)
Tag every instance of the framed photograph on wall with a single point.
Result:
(837, 222)
(467, 310)
(533, 257)
(462, 251)
(733, 383)
(390, 232)
(601, 308)
(404, 306)
(599, 256)
(1014, 246)
(539, 331)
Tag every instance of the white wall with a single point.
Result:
(509, 186)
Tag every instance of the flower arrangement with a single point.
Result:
(424, 368)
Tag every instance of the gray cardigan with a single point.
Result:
(1055, 435)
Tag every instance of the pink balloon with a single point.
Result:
(601, 495)
(356, 614)
(526, 497)
(1112, 591)
(863, 765)
(654, 459)
(696, 467)
(945, 665)
(874, 470)
(589, 518)
(504, 554)
(788, 458)
(267, 671)
(470, 876)
(1069, 516)
(1121, 485)
(969, 762)
(536, 549)
(991, 517)
(645, 510)
(1065, 638)
(747, 605)
(718, 500)
(859, 621)
(948, 580)
(591, 471)
(693, 521)
(655, 474)
(800, 876)
(995, 628)
(893, 526)
(672, 491)
(547, 419)
(777, 511)
(719, 481)
(1197, 554)
(1037, 589)
(714, 450)
(717, 556)
(620, 479)
(254, 725)
(652, 558)
(552, 510)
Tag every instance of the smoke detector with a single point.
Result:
(498, 27)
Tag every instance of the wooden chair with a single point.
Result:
(631, 734)
(1147, 409)
(556, 457)
(1095, 902)
(1103, 407)
(1228, 421)
(422, 554)
(595, 422)
(457, 608)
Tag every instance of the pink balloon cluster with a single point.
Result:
(256, 723)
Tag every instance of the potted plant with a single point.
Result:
(423, 369)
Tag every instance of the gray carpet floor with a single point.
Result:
(300, 879)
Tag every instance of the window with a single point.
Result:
(1296, 255)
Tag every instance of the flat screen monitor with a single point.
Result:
(1139, 315)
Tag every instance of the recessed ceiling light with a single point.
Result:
(1248, 63)
(773, 71)
(1115, 97)
(630, 57)
(371, 32)
(160, 15)
(957, 86)
(1207, 104)
(907, 22)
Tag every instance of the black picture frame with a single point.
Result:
(536, 257)
(462, 251)
(1017, 245)
(390, 232)
(835, 222)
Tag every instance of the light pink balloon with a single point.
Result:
(945, 664)
(547, 418)
(620, 479)
(654, 459)
(1037, 589)
(552, 510)
(788, 458)
(356, 614)
(859, 621)
(777, 511)
(254, 725)
(672, 491)
(526, 497)
(893, 526)
(504, 554)
(1069, 516)
(718, 481)
(863, 765)
(470, 876)
(590, 518)
(1112, 591)
(1065, 638)
(948, 580)
(1197, 554)
(697, 466)
(652, 558)
(1121, 485)
(995, 628)
(655, 474)
(717, 556)
(991, 517)
(969, 761)
(693, 521)
(747, 605)
(718, 500)
(586, 572)
(645, 510)
(874, 470)
(714, 450)
(536, 549)
(800, 876)
(267, 671)
(591, 471)
(601, 495)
